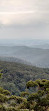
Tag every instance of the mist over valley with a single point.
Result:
(35, 52)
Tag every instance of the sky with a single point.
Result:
(24, 19)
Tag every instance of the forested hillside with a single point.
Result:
(35, 101)
(28, 86)
(15, 76)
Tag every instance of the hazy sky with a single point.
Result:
(24, 19)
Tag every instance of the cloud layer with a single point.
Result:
(24, 19)
(24, 11)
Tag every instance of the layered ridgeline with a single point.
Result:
(36, 56)
(15, 76)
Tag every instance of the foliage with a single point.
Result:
(16, 75)
(41, 96)
(34, 94)
(37, 101)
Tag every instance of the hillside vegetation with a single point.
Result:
(15, 76)
(37, 101)
(23, 80)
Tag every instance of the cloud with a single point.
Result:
(16, 5)
(16, 18)
(24, 11)
(24, 19)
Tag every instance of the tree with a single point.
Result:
(41, 96)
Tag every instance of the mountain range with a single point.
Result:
(24, 54)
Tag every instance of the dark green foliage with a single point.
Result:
(24, 94)
(0, 73)
(3, 98)
(34, 94)
(37, 101)
(31, 84)
(2, 108)
(16, 75)
(5, 92)
(11, 109)
(11, 102)
(41, 96)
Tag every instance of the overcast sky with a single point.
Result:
(24, 19)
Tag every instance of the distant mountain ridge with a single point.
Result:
(36, 43)
(35, 56)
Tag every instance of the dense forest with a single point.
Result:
(23, 87)
(35, 101)
(16, 75)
